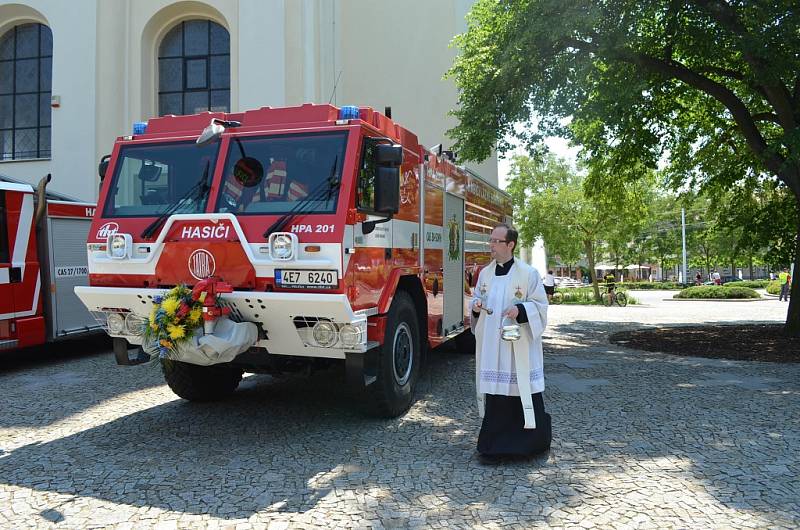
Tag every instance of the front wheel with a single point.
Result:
(201, 383)
(622, 300)
(398, 360)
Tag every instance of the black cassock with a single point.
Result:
(502, 431)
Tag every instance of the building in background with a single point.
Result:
(76, 74)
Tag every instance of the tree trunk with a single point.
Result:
(792, 326)
(751, 266)
(589, 248)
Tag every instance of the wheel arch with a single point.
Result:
(413, 287)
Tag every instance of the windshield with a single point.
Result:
(273, 174)
(150, 178)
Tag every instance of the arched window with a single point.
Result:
(194, 72)
(26, 66)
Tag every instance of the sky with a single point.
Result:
(558, 146)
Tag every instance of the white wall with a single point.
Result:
(73, 125)
(396, 54)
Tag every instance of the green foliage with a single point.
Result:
(653, 286)
(714, 85)
(774, 287)
(752, 284)
(550, 202)
(718, 292)
(585, 296)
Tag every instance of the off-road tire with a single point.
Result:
(392, 393)
(201, 383)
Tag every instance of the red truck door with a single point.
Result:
(6, 288)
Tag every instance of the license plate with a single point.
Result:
(306, 278)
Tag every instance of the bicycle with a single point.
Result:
(614, 297)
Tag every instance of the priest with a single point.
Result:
(509, 375)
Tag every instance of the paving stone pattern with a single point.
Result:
(641, 440)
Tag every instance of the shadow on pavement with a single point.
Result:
(65, 350)
(46, 384)
(294, 444)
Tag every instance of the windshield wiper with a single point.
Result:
(198, 192)
(317, 193)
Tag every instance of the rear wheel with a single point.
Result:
(622, 300)
(201, 383)
(398, 360)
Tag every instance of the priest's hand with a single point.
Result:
(512, 312)
(476, 305)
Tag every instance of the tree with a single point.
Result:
(714, 84)
(550, 202)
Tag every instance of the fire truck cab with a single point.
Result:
(343, 238)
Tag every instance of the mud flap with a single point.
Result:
(126, 356)
(361, 368)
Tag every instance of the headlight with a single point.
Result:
(325, 333)
(350, 336)
(116, 323)
(281, 246)
(119, 246)
(135, 323)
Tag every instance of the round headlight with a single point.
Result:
(281, 247)
(350, 336)
(325, 333)
(135, 324)
(116, 323)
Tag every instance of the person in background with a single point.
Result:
(549, 285)
(785, 281)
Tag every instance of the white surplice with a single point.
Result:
(503, 369)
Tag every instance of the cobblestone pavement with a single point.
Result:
(641, 440)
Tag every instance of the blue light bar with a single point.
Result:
(348, 112)
(139, 127)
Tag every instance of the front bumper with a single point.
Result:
(286, 318)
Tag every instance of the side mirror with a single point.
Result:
(103, 167)
(388, 155)
(210, 133)
(387, 190)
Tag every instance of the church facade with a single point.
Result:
(75, 75)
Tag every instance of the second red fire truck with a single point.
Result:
(343, 239)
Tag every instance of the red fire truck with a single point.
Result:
(343, 238)
(42, 258)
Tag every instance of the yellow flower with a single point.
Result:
(165, 343)
(153, 324)
(176, 332)
(195, 315)
(170, 305)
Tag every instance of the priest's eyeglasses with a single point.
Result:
(494, 241)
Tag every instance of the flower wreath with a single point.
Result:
(174, 318)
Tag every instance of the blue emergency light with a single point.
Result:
(348, 112)
(139, 127)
